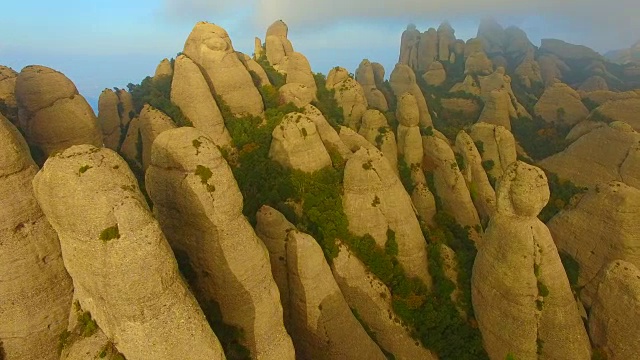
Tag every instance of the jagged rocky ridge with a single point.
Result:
(369, 197)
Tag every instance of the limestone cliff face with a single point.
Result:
(323, 326)
(403, 80)
(520, 292)
(296, 144)
(375, 202)
(585, 166)
(349, 94)
(199, 207)
(377, 131)
(52, 115)
(210, 47)
(109, 118)
(449, 183)
(560, 103)
(365, 76)
(122, 267)
(272, 228)
(613, 321)
(602, 227)
(495, 144)
(371, 298)
(7, 93)
(36, 289)
(191, 93)
(152, 122)
(482, 194)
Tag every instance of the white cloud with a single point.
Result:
(600, 24)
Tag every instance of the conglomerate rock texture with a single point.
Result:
(521, 295)
(122, 267)
(36, 289)
(199, 207)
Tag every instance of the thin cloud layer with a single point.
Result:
(600, 24)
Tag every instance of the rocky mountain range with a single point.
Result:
(479, 202)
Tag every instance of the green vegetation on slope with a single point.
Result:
(157, 93)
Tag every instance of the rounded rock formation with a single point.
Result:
(365, 76)
(109, 118)
(614, 317)
(210, 47)
(52, 115)
(199, 207)
(403, 80)
(297, 145)
(376, 202)
(349, 94)
(191, 93)
(123, 269)
(560, 103)
(36, 289)
(521, 295)
(323, 326)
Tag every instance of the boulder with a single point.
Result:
(435, 75)
(323, 326)
(272, 228)
(163, 69)
(600, 228)
(52, 115)
(496, 109)
(560, 103)
(109, 118)
(478, 64)
(152, 122)
(496, 145)
(349, 94)
(377, 131)
(7, 94)
(36, 289)
(371, 299)
(614, 316)
(365, 76)
(482, 194)
(354, 141)
(278, 46)
(299, 72)
(297, 145)
(583, 128)
(376, 203)
(122, 267)
(597, 157)
(328, 134)
(521, 295)
(625, 110)
(210, 47)
(403, 80)
(298, 94)
(191, 93)
(449, 183)
(199, 207)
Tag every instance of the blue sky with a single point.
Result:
(100, 43)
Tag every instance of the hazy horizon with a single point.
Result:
(103, 46)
